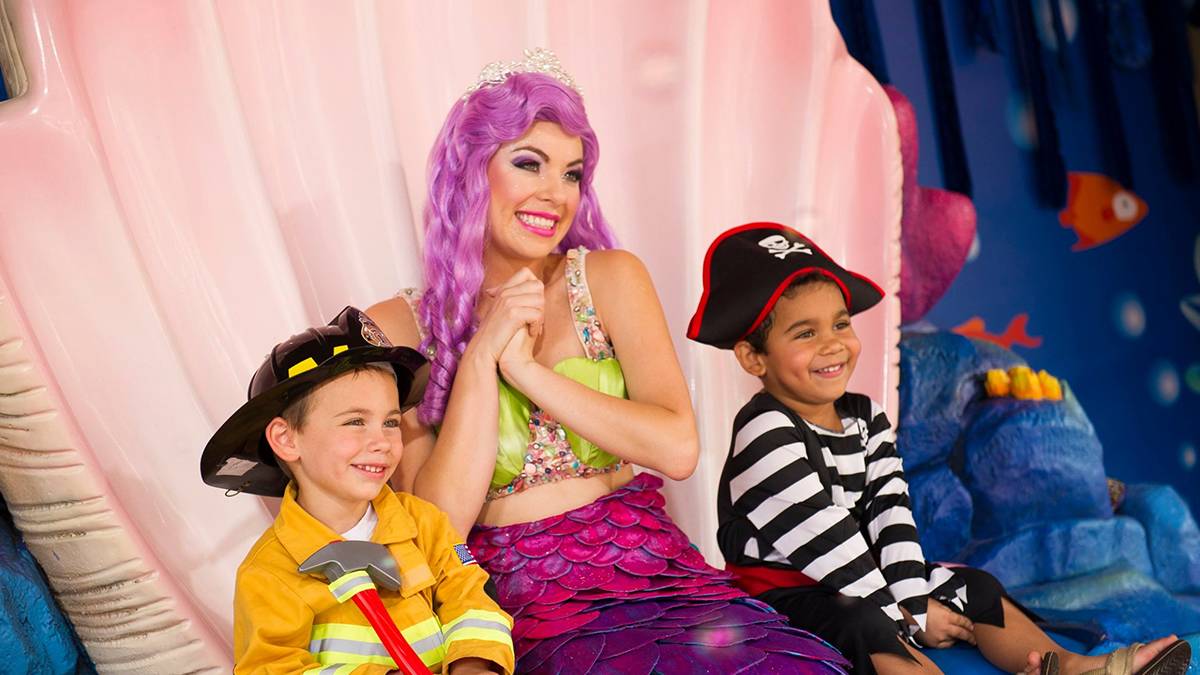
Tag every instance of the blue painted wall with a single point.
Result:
(1109, 317)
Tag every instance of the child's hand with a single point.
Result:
(473, 666)
(944, 626)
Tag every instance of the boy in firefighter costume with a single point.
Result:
(324, 410)
(813, 505)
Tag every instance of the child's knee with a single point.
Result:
(981, 585)
(861, 616)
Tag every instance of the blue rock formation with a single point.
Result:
(1062, 549)
(1172, 535)
(942, 510)
(34, 636)
(939, 376)
(1130, 604)
(1029, 462)
(1018, 488)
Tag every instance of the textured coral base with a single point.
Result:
(615, 586)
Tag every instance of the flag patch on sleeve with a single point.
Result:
(464, 554)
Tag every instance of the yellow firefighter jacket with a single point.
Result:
(287, 622)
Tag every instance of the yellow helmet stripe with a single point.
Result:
(302, 367)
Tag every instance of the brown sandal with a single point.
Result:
(1049, 664)
(1173, 660)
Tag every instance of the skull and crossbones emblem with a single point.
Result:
(781, 248)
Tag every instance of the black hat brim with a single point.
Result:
(742, 284)
(238, 458)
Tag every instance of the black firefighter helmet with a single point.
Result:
(238, 458)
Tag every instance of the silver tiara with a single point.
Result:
(537, 60)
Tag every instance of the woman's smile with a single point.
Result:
(538, 222)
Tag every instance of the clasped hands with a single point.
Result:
(512, 316)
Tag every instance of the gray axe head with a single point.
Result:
(341, 557)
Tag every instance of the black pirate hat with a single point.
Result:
(238, 457)
(747, 268)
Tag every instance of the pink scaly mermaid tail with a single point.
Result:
(615, 586)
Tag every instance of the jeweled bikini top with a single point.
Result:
(534, 448)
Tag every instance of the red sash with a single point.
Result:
(757, 579)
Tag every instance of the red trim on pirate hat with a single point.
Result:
(748, 267)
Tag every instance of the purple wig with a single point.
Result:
(457, 210)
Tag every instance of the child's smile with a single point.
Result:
(371, 469)
(831, 371)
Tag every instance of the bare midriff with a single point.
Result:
(551, 499)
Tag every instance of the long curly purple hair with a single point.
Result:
(456, 212)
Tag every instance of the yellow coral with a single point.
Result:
(1022, 383)
(1025, 385)
(997, 383)
(1051, 389)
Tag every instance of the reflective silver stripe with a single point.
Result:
(341, 590)
(359, 648)
(345, 646)
(479, 623)
(334, 669)
(425, 644)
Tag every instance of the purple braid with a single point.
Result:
(457, 208)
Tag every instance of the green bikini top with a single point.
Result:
(533, 447)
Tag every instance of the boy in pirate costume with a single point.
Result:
(324, 411)
(813, 506)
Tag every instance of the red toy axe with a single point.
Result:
(353, 569)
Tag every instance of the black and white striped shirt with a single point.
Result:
(832, 504)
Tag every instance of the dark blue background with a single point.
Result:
(1024, 262)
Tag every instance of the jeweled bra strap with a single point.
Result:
(412, 296)
(596, 344)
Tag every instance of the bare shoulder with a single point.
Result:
(622, 293)
(395, 317)
(613, 260)
(614, 272)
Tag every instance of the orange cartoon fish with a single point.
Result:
(1013, 335)
(1099, 209)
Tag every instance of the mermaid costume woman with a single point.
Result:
(615, 586)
